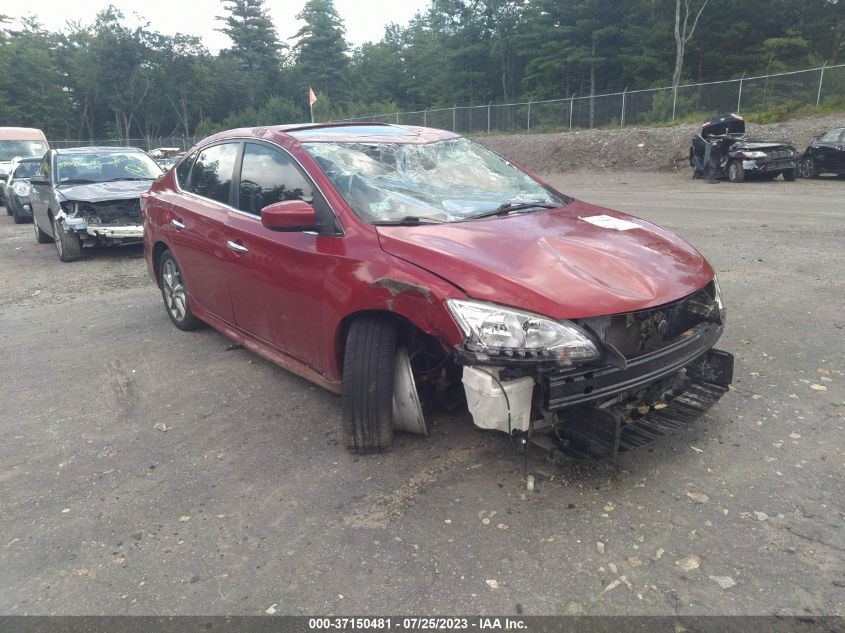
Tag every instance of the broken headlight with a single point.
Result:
(717, 298)
(754, 154)
(505, 332)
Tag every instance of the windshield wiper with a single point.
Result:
(75, 181)
(409, 220)
(509, 207)
(129, 178)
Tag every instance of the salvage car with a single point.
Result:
(18, 142)
(825, 155)
(17, 196)
(407, 267)
(86, 197)
(723, 150)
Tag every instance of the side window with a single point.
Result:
(830, 137)
(211, 176)
(44, 170)
(269, 175)
(183, 170)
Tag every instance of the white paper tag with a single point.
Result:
(609, 222)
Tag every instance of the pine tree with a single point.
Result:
(321, 49)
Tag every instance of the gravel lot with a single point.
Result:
(247, 503)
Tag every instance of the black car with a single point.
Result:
(90, 196)
(17, 199)
(723, 150)
(825, 155)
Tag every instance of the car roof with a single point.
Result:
(21, 134)
(342, 132)
(29, 159)
(97, 150)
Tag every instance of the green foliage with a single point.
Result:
(111, 80)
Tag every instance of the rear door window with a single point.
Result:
(183, 170)
(213, 170)
(269, 175)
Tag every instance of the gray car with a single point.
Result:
(87, 197)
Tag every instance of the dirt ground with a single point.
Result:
(638, 149)
(246, 502)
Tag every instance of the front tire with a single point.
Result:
(68, 245)
(368, 383)
(809, 169)
(789, 175)
(736, 173)
(40, 236)
(175, 294)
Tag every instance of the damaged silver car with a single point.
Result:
(87, 197)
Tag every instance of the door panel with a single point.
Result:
(197, 228)
(277, 286)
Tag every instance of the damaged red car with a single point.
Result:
(408, 268)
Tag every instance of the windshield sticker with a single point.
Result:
(383, 205)
(609, 222)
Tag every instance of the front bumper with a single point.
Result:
(567, 388)
(117, 232)
(763, 165)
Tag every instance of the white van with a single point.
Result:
(23, 142)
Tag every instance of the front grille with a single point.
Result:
(636, 333)
(778, 153)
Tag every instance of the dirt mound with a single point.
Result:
(634, 148)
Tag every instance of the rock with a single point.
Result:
(725, 582)
(698, 497)
(503, 526)
(761, 516)
(492, 583)
(817, 387)
(659, 553)
(823, 372)
(696, 449)
(271, 609)
(690, 562)
(485, 521)
(184, 518)
(613, 585)
(600, 547)
(160, 426)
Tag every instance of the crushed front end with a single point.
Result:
(627, 380)
(105, 223)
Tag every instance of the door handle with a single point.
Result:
(179, 226)
(234, 246)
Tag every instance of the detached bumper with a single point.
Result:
(763, 165)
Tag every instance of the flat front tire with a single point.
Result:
(368, 382)
(175, 294)
(68, 245)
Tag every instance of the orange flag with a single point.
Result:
(312, 98)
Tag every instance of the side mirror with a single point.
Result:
(290, 216)
(38, 179)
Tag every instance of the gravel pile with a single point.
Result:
(635, 149)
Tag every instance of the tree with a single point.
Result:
(255, 47)
(683, 34)
(320, 49)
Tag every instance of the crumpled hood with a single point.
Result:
(103, 191)
(760, 145)
(557, 263)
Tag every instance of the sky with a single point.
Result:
(364, 19)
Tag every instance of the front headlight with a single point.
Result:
(754, 154)
(506, 332)
(21, 188)
(717, 297)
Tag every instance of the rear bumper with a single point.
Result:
(565, 389)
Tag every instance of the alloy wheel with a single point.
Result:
(174, 290)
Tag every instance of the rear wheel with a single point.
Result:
(789, 175)
(735, 172)
(368, 383)
(68, 245)
(175, 294)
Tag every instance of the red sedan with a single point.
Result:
(409, 267)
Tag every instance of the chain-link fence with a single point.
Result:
(815, 87)
(149, 143)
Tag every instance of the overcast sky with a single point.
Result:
(364, 19)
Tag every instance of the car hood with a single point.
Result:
(760, 145)
(574, 262)
(102, 191)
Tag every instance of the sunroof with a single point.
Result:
(353, 130)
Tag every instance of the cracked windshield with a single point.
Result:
(447, 181)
